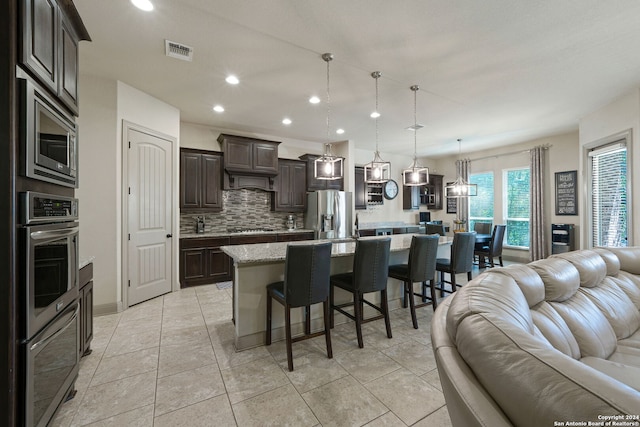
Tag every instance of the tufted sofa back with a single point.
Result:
(525, 330)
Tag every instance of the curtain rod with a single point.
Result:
(510, 153)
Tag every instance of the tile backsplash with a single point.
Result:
(243, 209)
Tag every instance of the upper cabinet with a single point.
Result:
(290, 187)
(313, 183)
(431, 194)
(411, 197)
(200, 181)
(51, 31)
(249, 162)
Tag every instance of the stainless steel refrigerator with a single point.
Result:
(329, 214)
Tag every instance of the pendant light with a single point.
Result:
(460, 187)
(377, 171)
(328, 166)
(415, 174)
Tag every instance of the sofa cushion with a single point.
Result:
(630, 284)
(616, 306)
(627, 374)
(629, 258)
(553, 327)
(561, 279)
(588, 325)
(527, 279)
(610, 259)
(590, 266)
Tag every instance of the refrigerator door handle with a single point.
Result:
(336, 209)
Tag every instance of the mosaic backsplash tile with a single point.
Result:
(241, 209)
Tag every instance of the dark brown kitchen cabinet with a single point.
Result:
(313, 183)
(86, 309)
(49, 48)
(295, 237)
(203, 262)
(290, 186)
(411, 197)
(200, 181)
(431, 194)
(361, 191)
(249, 156)
(252, 239)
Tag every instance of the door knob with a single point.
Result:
(169, 236)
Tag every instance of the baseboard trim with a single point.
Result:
(104, 309)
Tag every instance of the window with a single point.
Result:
(481, 206)
(516, 200)
(609, 209)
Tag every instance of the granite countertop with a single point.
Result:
(85, 260)
(192, 235)
(274, 252)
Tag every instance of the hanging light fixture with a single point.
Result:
(328, 166)
(415, 174)
(377, 171)
(460, 187)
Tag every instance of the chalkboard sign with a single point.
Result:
(566, 193)
(452, 203)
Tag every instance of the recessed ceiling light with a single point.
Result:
(218, 109)
(314, 100)
(145, 5)
(340, 131)
(375, 115)
(232, 80)
(286, 121)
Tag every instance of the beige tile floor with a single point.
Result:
(171, 362)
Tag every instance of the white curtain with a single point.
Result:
(538, 244)
(462, 171)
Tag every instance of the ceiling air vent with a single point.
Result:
(177, 50)
(415, 127)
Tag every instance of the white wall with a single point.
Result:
(98, 189)
(620, 116)
(563, 155)
(104, 106)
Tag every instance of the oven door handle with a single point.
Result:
(48, 234)
(58, 332)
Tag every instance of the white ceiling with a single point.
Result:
(492, 72)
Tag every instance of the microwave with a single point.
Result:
(48, 138)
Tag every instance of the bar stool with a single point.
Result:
(306, 282)
(370, 273)
(461, 260)
(421, 267)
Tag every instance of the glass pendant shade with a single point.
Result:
(415, 175)
(328, 166)
(377, 171)
(460, 188)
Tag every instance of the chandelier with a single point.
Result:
(377, 171)
(460, 187)
(328, 166)
(415, 174)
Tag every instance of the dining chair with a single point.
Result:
(306, 282)
(461, 260)
(482, 227)
(370, 274)
(493, 249)
(420, 267)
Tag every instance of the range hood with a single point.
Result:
(249, 162)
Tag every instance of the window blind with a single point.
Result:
(609, 194)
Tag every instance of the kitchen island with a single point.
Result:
(257, 265)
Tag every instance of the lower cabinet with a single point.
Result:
(295, 237)
(86, 309)
(203, 262)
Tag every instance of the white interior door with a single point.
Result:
(150, 160)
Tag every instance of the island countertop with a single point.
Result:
(275, 252)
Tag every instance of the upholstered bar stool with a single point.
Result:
(306, 282)
(461, 260)
(421, 267)
(370, 274)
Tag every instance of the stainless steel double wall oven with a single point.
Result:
(50, 333)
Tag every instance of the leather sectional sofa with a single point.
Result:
(552, 343)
